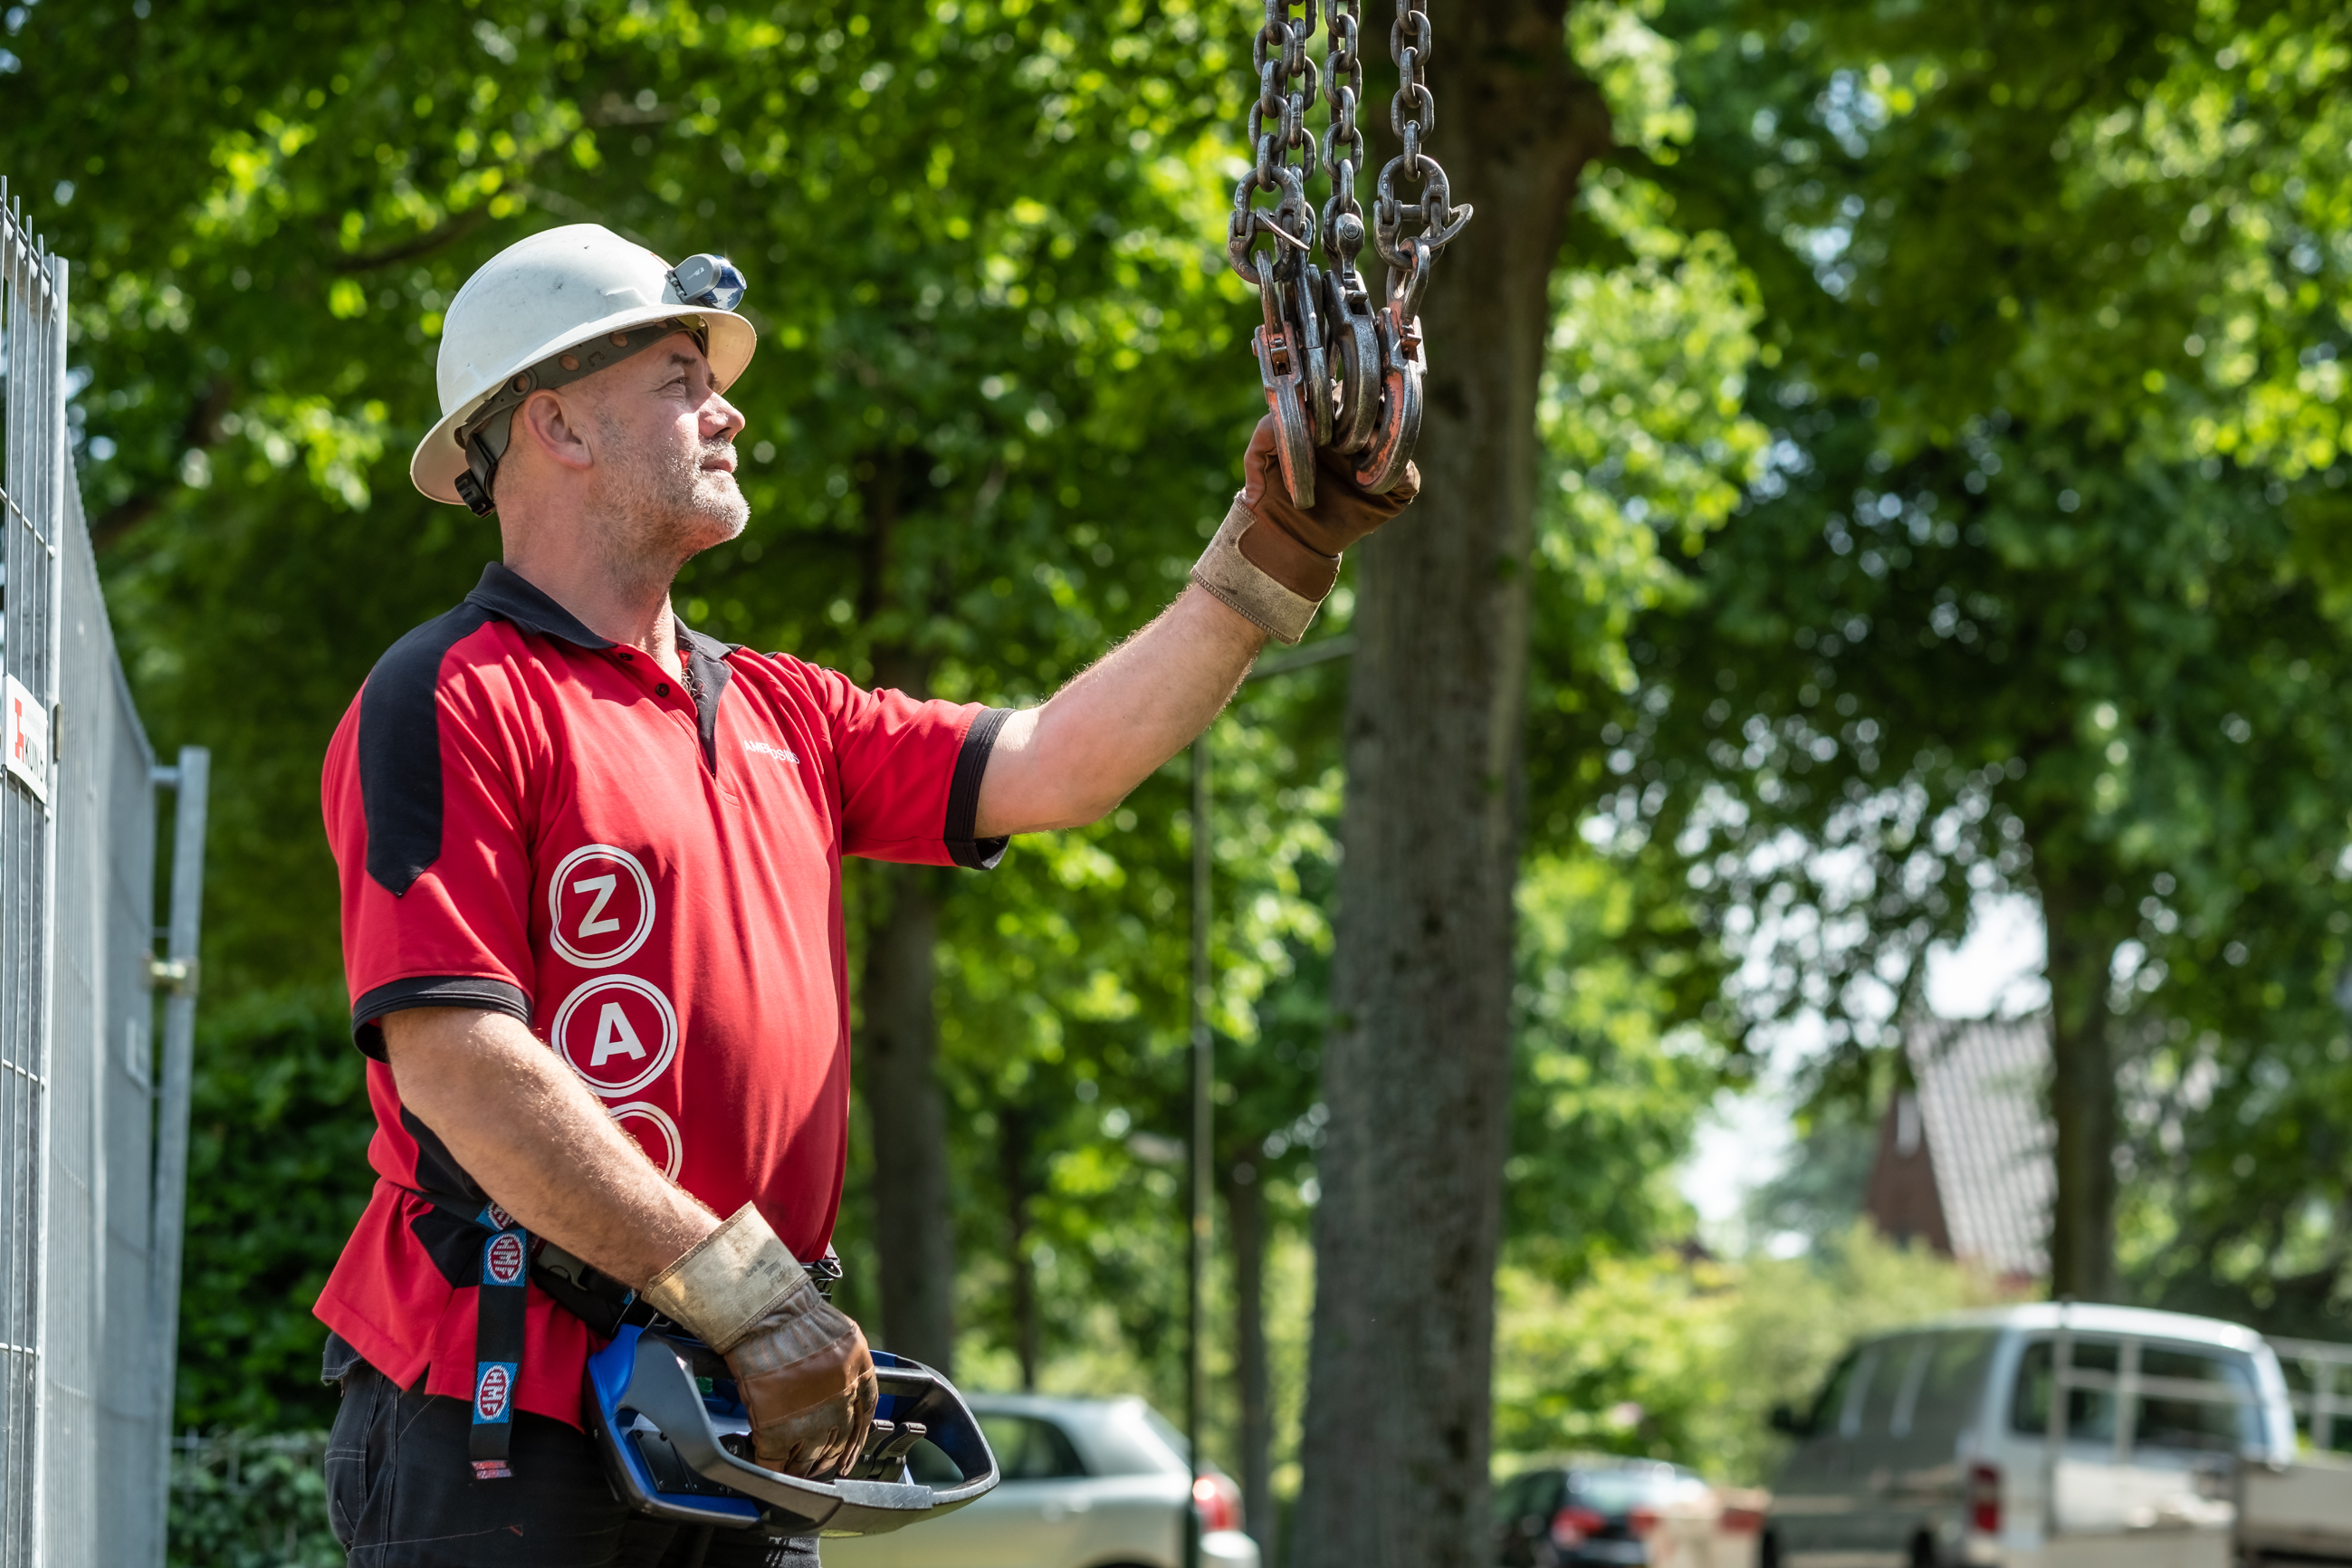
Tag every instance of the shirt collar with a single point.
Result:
(510, 597)
(709, 648)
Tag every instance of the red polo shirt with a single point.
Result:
(530, 819)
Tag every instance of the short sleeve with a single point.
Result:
(910, 772)
(422, 796)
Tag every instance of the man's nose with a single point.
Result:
(720, 420)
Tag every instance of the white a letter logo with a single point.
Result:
(634, 1039)
(615, 1038)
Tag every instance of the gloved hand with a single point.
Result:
(1298, 548)
(1273, 560)
(801, 1367)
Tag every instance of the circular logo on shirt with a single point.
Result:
(618, 1033)
(599, 906)
(656, 1133)
(490, 1392)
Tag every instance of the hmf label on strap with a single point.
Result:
(502, 1258)
(494, 1392)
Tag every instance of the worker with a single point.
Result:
(592, 918)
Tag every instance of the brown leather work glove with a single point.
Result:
(801, 1366)
(1300, 549)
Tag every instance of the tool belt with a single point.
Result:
(474, 1242)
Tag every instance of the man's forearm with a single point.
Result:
(533, 1138)
(1071, 761)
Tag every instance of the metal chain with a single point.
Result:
(1339, 372)
(1412, 115)
(1284, 149)
(1343, 144)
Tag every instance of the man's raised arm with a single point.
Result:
(1264, 574)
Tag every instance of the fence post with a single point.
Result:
(177, 972)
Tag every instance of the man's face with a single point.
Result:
(665, 449)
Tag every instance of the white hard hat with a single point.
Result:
(558, 290)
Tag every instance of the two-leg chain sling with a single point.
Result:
(1339, 371)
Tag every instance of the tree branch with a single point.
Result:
(456, 229)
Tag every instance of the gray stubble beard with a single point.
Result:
(658, 514)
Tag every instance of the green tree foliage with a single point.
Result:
(278, 1174)
(2027, 595)
(247, 1502)
(1610, 1079)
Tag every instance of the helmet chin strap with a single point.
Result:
(491, 431)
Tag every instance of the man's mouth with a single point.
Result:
(723, 460)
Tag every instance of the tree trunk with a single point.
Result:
(914, 1212)
(2082, 1089)
(914, 1208)
(1246, 1217)
(1417, 1073)
(1013, 1153)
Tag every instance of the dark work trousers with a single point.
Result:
(402, 1495)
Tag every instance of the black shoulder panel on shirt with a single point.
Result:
(432, 991)
(963, 794)
(400, 728)
(399, 749)
(708, 658)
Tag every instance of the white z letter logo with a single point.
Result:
(607, 882)
(602, 888)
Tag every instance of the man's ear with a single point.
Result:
(556, 427)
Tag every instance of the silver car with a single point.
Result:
(1088, 1483)
(1935, 1447)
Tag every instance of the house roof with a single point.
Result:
(1983, 1084)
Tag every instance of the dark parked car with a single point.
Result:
(1591, 1515)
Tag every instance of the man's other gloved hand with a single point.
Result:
(801, 1365)
(1273, 560)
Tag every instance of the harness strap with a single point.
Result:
(495, 1260)
(498, 1346)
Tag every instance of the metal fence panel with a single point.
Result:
(73, 1314)
(83, 1404)
(102, 1406)
(32, 347)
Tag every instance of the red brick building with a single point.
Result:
(1963, 1162)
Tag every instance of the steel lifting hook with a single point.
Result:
(1402, 367)
(1280, 368)
(1357, 362)
(1300, 298)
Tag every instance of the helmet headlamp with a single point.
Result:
(708, 279)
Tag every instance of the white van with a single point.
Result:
(1931, 1446)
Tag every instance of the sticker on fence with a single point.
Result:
(28, 739)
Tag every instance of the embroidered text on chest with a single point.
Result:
(767, 749)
